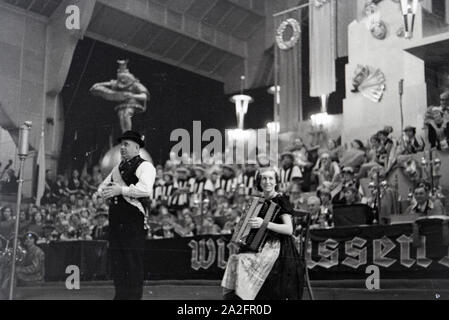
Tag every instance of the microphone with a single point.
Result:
(24, 134)
(401, 87)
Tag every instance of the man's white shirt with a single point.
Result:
(146, 173)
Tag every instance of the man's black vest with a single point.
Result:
(128, 170)
(118, 204)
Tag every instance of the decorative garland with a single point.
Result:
(283, 44)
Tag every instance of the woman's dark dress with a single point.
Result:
(286, 279)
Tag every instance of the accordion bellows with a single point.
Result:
(252, 239)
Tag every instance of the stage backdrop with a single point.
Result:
(405, 251)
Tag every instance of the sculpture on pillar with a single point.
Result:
(128, 91)
(132, 98)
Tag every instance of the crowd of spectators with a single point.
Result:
(8, 179)
(191, 200)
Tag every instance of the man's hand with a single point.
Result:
(255, 223)
(112, 190)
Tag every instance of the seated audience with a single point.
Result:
(296, 198)
(31, 269)
(319, 218)
(437, 129)
(290, 172)
(355, 156)
(6, 222)
(325, 196)
(326, 169)
(345, 179)
(8, 184)
(100, 230)
(410, 143)
(351, 196)
(423, 205)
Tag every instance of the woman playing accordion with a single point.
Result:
(276, 272)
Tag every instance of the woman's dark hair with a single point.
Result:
(258, 182)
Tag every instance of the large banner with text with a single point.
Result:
(404, 251)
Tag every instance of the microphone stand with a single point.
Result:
(378, 197)
(304, 254)
(23, 152)
(304, 236)
(202, 214)
(432, 182)
(401, 94)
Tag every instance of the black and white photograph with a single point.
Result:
(226, 156)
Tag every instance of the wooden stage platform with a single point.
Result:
(210, 290)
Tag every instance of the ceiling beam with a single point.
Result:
(152, 13)
(152, 56)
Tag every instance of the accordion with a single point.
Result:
(252, 239)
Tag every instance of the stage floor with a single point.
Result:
(210, 290)
(105, 291)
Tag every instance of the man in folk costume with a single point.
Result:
(167, 189)
(180, 198)
(290, 173)
(227, 181)
(125, 187)
(157, 191)
(200, 184)
(248, 177)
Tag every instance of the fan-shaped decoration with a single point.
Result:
(370, 82)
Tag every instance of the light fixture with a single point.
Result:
(409, 9)
(237, 134)
(241, 102)
(324, 99)
(273, 127)
(276, 91)
(322, 118)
